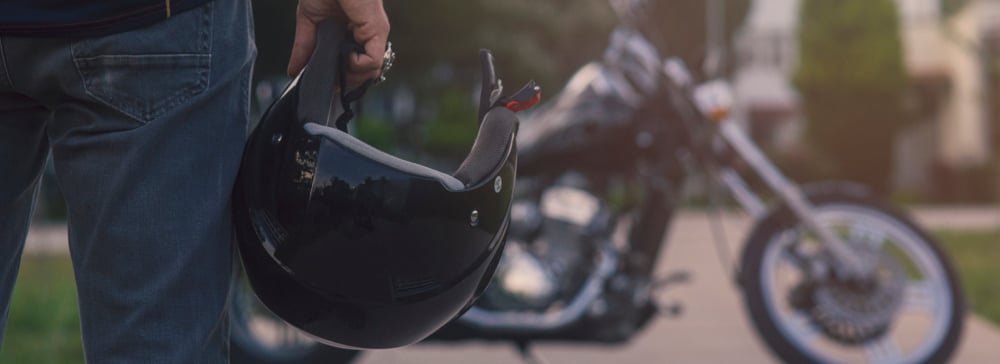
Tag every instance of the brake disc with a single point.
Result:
(855, 311)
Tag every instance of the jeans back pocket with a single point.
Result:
(146, 72)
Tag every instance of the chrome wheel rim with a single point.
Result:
(917, 329)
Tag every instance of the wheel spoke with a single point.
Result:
(920, 296)
(789, 258)
(909, 281)
(791, 253)
(883, 350)
(867, 235)
(802, 329)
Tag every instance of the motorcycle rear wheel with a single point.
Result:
(915, 316)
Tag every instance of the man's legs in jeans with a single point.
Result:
(23, 149)
(147, 129)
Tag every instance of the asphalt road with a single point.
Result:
(712, 329)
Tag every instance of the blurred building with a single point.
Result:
(952, 60)
(767, 53)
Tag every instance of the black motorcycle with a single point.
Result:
(829, 273)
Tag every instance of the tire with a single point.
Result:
(798, 332)
(259, 337)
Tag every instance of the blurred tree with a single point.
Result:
(452, 131)
(545, 41)
(437, 44)
(951, 7)
(682, 27)
(852, 79)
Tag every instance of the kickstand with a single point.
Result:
(529, 356)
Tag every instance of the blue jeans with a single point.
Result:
(146, 130)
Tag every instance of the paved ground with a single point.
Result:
(713, 328)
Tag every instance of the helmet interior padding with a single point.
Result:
(486, 155)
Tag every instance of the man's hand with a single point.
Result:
(366, 18)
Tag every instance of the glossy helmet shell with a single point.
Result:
(360, 249)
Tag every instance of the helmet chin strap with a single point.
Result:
(347, 47)
(326, 74)
(320, 77)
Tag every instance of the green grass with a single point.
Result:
(44, 323)
(977, 258)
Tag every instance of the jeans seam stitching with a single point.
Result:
(3, 62)
(207, 33)
(144, 115)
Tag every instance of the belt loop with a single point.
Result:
(168, 8)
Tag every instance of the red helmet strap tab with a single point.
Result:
(525, 98)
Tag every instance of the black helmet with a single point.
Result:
(354, 246)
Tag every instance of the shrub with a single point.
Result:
(852, 80)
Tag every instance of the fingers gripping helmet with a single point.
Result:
(354, 246)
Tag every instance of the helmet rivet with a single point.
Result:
(276, 139)
(474, 218)
(497, 184)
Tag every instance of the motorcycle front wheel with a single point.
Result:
(259, 337)
(908, 308)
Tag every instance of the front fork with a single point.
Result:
(850, 264)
